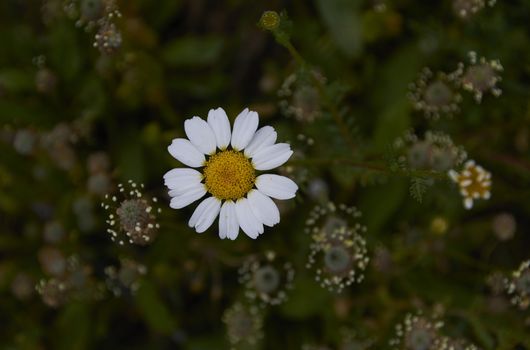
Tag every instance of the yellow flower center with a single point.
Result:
(229, 175)
(475, 182)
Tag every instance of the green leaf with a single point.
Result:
(391, 124)
(306, 299)
(73, 327)
(131, 157)
(64, 52)
(390, 96)
(13, 112)
(154, 310)
(418, 187)
(16, 80)
(380, 202)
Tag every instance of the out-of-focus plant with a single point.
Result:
(396, 239)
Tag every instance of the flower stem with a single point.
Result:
(368, 166)
(335, 114)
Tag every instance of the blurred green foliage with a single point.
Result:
(76, 120)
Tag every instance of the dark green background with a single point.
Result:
(181, 58)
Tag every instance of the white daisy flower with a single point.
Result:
(229, 160)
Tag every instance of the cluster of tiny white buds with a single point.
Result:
(53, 291)
(300, 99)
(131, 217)
(474, 182)
(436, 151)
(309, 141)
(244, 325)
(329, 216)
(416, 332)
(467, 8)
(108, 38)
(338, 250)
(518, 286)
(434, 94)
(266, 279)
(480, 77)
(125, 278)
(447, 343)
(76, 282)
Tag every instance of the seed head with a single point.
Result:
(338, 251)
(243, 325)
(131, 215)
(270, 20)
(266, 279)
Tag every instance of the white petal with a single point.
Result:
(245, 126)
(182, 178)
(199, 211)
(187, 197)
(453, 175)
(186, 188)
(186, 153)
(200, 135)
(205, 214)
(264, 137)
(218, 121)
(272, 156)
(468, 203)
(181, 172)
(248, 222)
(228, 224)
(276, 186)
(263, 208)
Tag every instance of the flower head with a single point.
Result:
(132, 216)
(124, 279)
(229, 158)
(76, 282)
(416, 332)
(446, 343)
(299, 98)
(435, 151)
(474, 182)
(433, 94)
(480, 77)
(269, 20)
(338, 251)
(266, 279)
(243, 325)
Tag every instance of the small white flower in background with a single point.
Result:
(474, 182)
(229, 160)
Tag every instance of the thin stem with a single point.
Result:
(335, 114)
(294, 52)
(364, 165)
